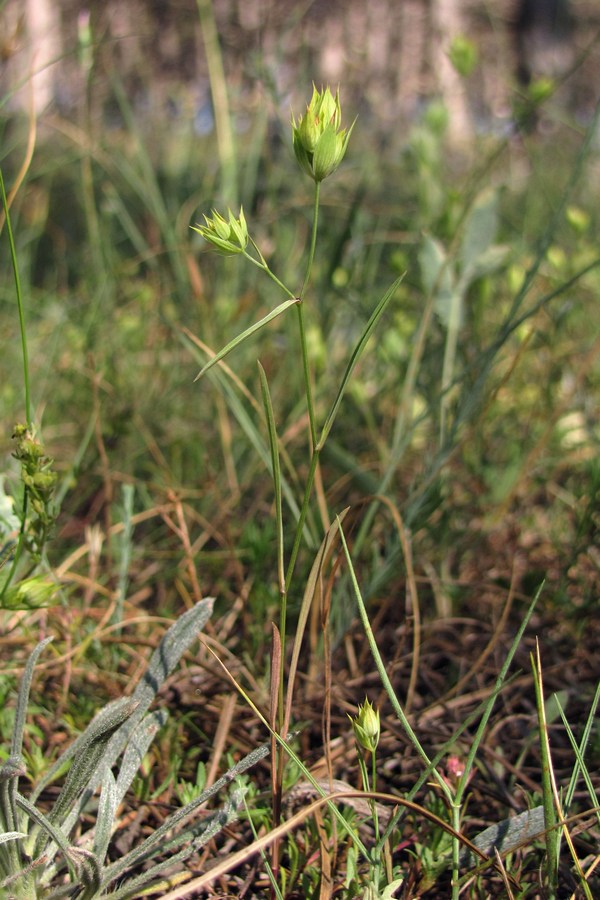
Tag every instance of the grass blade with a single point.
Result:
(356, 355)
(321, 560)
(240, 338)
(276, 472)
(16, 744)
(139, 742)
(86, 758)
(380, 663)
(546, 777)
(173, 645)
(579, 750)
(105, 820)
(211, 827)
(156, 840)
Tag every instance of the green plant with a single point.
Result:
(320, 144)
(44, 853)
(36, 512)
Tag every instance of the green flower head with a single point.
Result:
(319, 141)
(226, 237)
(366, 726)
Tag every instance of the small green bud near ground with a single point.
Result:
(226, 237)
(366, 726)
(319, 141)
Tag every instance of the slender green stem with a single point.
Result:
(25, 354)
(455, 810)
(302, 328)
(306, 369)
(546, 778)
(20, 306)
(313, 238)
(262, 264)
(371, 786)
(385, 677)
(300, 526)
(374, 788)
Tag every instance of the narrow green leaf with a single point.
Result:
(235, 403)
(105, 819)
(489, 705)
(580, 767)
(210, 828)
(90, 748)
(10, 772)
(546, 778)
(276, 472)
(111, 716)
(246, 334)
(23, 699)
(155, 842)
(316, 572)
(53, 831)
(139, 742)
(380, 664)
(357, 353)
(11, 836)
(173, 645)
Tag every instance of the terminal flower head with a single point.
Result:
(226, 237)
(319, 141)
(366, 726)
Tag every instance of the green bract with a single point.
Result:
(319, 142)
(366, 726)
(226, 237)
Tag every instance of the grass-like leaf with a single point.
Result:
(356, 355)
(139, 742)
(240, 338)
(155, 842)
(320, 562)
(11, 836)
(49, 829)
(105, 818)
(580, 767)
(212, 826)
(86, 758)
(276, 472)
(16, 744)
(546, 777)
(173, 645)
(102, 725)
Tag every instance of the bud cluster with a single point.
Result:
(226, 237)
(318, 139)
(366, 726)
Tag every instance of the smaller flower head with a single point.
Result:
(366, 726)
(226, 237)
(319, 142)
